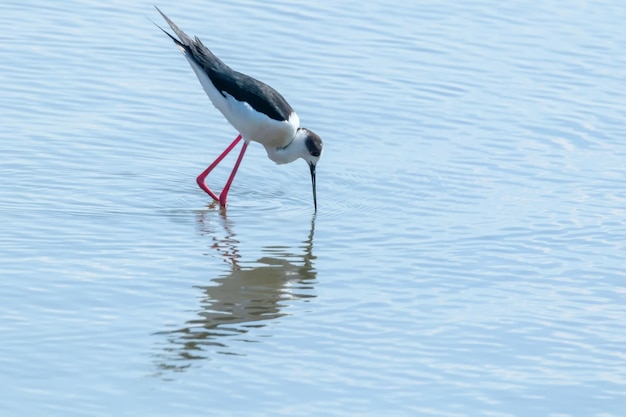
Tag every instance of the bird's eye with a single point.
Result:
(314, 145)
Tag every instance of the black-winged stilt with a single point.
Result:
(256, 110)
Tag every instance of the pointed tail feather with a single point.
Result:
(183, 40)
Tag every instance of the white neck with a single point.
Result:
(294, 150)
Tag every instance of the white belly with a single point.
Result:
(252, 125)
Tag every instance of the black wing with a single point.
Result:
(242, 87)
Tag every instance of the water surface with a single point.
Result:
(467, 257)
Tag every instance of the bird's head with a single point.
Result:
(313, 145)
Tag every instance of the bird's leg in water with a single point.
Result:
(224, 192)
(202, 177)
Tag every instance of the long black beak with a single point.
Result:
(312, 166)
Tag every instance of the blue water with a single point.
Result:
(467, 259)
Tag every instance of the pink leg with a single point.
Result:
(224, 192)
(201, 178)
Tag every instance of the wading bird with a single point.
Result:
(257, 111)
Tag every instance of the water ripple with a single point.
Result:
(467, 252)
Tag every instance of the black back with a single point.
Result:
(259, 95)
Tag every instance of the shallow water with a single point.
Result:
(467, 257)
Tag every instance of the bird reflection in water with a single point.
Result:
(244, 299)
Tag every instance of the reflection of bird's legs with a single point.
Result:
(231, 251)
(227, 246)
